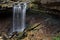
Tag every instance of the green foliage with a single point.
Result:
(56, 37)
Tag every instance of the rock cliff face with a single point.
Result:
(5, 21)
(52, 4)
(49, 1)
(41, 25)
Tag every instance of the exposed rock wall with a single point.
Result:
(49, 1)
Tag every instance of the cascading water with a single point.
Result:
(19, 17)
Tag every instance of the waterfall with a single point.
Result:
(19, 11)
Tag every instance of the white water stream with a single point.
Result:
(19, 13)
